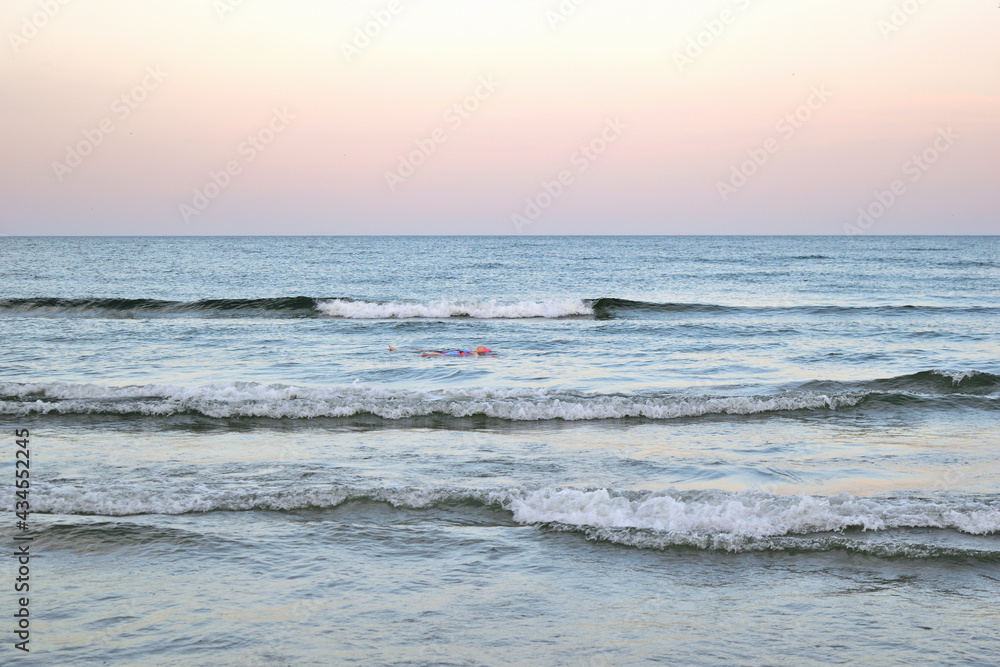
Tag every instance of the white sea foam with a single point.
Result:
(707, 519)
(130, 500)
(282, 401)
(957, 377)
(369, 310)
(748, 514)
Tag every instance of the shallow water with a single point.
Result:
(688, 450)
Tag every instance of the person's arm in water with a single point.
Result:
(422, 353)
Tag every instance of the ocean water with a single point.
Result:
(688, 450)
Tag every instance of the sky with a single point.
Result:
(192, 117)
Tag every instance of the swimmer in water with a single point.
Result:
(479, 351)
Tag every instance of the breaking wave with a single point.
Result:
(932, 382)
(279, 401)
(349, 308)
(301, 306)
(290, 402)
(720, 519)
(751, 520)
(370, 310)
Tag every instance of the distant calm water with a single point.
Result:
(688, 451)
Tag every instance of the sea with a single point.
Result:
(686, 451)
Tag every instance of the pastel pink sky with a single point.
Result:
(687, 124)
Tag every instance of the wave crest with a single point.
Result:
(350, 308)
(49, 306)
(751, 520)
(373, 310)
(290, 402)
(748, 514)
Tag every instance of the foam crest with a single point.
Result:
(290, 402)
(747, 520)
(345, 307)
(370, 310)
(958, 377)
(749, 514)
(132, 500)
